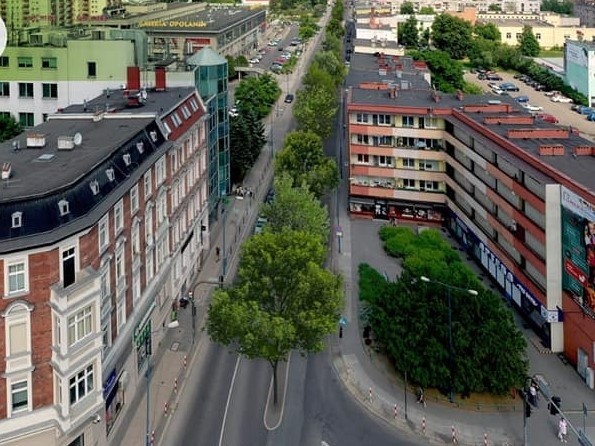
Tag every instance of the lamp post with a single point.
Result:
(450, 346)
(224, 202)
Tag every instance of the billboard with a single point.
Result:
(578, 249)
(576, 54)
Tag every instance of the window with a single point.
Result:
(119, 216)
(363, 159)
(17, 343)
(149, 268)
(409, 163)
(103, 230)
(80, 325)
(81, 384)
(19, 396)
(17, 219)
(176, 119)
(27, 119)
(78, 441)
(384, 119)
(148, 184)
(25, 62)
(149, 226)
(174, 161)
(63, 207)
(408, 183)
(360, 117)
(509, 35)
(363, 139)
(384, 161)
(430, 185)
(4, 62)
(538, 36)
(91, 69)
(49, 91)
(49, 63)
(408, 121)
(120, 270)
(44, 117)
(431, 123)
(193, 104)
(121, 314)
(519, 36)
(25, 89)
(68, 266)
(127, 159)
(134, 199)
(185, 112)
(135, 237)
(17, 274)
(4, 89)
(161, 208)
(166, 127)
(160, 171)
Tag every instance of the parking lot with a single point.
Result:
(566, 117)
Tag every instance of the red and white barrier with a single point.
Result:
(165, 408)
(370, 393)
(152, 437)
(423, 425)
(485, 439)
(454, 434)
(396, 411)
(185, 361)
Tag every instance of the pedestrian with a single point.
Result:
(563, 430)
(533, 395)
(420, 396)
(218, 253)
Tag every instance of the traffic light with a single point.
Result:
(527, 409)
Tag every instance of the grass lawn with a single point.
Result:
(551, 53)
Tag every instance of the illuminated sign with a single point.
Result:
(173, 24)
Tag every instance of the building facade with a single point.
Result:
(125, 223)
(518, 193)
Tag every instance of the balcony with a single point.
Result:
(86, 287)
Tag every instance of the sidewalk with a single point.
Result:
(373, 383)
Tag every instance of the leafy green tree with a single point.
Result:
(258, 94)
(452, 34)
(482, 53)
(241, 61)
(528, 44)
(407, 8)
(329, 63)
(283, 300)
(9, 128)
(318, 77)
(487, 31)
(332, 44)
(231, 67)
(315, 109)
(494, 7)
(564, 7)
(297, 209)
(427, 10)
(335, 28)
(303, 159)
(424, 39)
(410, 319)
(408, 33)
(308, 27)
(246, 140)
(447, 74)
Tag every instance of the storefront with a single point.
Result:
(389, 210)
(113, 394)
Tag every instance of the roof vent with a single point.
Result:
(35, 140)
(94, 185)
(110, 174)
(127, 159)
(140, 146)
(46, 157)
(6, 171)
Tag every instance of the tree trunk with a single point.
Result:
(275, 382)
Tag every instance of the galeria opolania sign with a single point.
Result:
(173, 24)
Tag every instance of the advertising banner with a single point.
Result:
(578, 248)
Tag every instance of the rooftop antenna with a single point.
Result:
(84, 105)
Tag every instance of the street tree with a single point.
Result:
(487, 31)
(528, 44)
(447, 74)
(318, 77)
(329, 63)
(308, 27)
(561, 7)
(452, 34)
(231, 67)
(257, 93)
(9, 128)
(482, 53)
(284, 300)
(246, 140)
(303, 159)
(297, 209)
(409, 319)
(315, 109)
(424, 39)
(332, 43)
(407, 8)
(335, 27)
(408, 34)
(427, 10)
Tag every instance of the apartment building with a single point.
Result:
(518, 193)
(105, 214)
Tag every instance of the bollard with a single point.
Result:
(454, 434)
(185, 361)
(423, 425)
(485, 439)
(165, 407)
(176, 385)
(370, 394)
(395, 410)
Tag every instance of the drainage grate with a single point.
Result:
(175, 346)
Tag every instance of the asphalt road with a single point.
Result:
(560, 111)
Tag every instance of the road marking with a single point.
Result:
(266, 407)
(233, 380)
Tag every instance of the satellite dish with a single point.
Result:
(78, 139)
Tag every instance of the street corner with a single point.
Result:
(273, 411)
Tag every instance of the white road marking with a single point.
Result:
(233, 380)
(266, 407)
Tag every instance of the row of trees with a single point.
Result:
(409, 319)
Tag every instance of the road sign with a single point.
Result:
(343, 321)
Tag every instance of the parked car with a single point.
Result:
(562, 99)
(233, 112)
(576, 107)
(522, 99)
(254, 60)
(260, 224)
(508, 86)
(553, 93)
(498, 91)
(518, 76)
(579, 109)
(531, 108)
(481, 76)
(546, 117)
(493, 77)
(539, 87)
(587, 111)
(591, 117)
(493, 84)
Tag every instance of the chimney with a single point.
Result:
(460, 95)
(160, 84)
(132, 78)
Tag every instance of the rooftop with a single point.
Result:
(517, 22)
(44, 169)
(369, 68)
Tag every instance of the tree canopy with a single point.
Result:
(487, 31)
(447, 74)
(303, 159)
(297, 209)
(409, 319)
(528, 44)
(9, 128)
(408, 33)
(561, 7)
(452, 34)
(407, 8)
(257, 93)
(427, 10)
(246, 140)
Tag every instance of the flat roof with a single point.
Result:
(206, 21)
(45, 170)
(157, 102)
(365, 68)
(517, 22)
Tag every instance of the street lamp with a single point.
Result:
(450, 347)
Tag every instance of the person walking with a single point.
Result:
(563, 430)
(218, 253)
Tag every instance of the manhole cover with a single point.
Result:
(175, 346)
